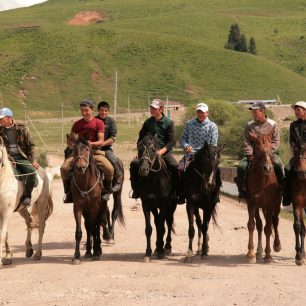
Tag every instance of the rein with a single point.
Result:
(85, 193)
(146, 156)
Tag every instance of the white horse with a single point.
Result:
(40, 208)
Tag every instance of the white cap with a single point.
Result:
(156, 103)
(300, 104)
(202, 107)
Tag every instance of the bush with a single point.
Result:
(43, 159)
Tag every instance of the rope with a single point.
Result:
(84, 193)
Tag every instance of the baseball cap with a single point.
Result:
(156, 103)
(5, 112)
(300, 104)
(202, 107)
(257, 105)
(88, 102)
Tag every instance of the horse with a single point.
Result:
(262, 192)
(157, 196)
(41, 207)
(199, 184)
(108, 219)
(298, 196)
(86, 188)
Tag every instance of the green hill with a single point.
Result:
(171, 48)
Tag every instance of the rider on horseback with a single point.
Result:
(21, 149)
(93, 130)
(259, 125)
(196, 132)
(162, 128)
(109, 138)
(297, 136)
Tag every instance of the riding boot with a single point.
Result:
(286, 191)
(107, 190)
(116, 179)
(67, 189)
(241, 188)
(25, 199)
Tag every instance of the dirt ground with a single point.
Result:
(121, 278)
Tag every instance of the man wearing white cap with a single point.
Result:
(196, 132)
(162, 128)
(21, 149)
(297, 137)
(259, 125)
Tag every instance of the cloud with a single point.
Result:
(8, 5)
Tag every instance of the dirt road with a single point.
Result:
(121, 278)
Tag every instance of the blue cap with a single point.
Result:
(5, 112)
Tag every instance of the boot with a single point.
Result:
(107, 190)
(241, 189)
(67, 189)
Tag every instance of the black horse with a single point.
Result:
(157, 195)
(199, 185)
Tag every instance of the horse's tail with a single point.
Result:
(214, 214)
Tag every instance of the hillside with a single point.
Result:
(169, 48)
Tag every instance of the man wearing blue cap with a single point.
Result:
(21, 149)
(196, 132)
(259, 125)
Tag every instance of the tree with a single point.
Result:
(252, 46)
(242, 44)
(233, 37)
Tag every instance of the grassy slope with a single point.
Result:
(161, 48)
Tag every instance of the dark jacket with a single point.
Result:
(24, 141)
(297, 134)
(110, 130)
(162, 129)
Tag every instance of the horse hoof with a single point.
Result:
(188, 259)
(37, 257)
(6, 261)
(168, 251)
(204, 257)
(277, 248)
(87, 255)
(146, 259)
(161, 255)
(268, 259)
(110, 241)
(96, 258)
(299, 262)
(29, 253)
(259, 256)
(76, 261)
(199, 252)
(251, 260)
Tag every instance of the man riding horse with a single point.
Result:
(197, 131)
(21, 149)
(297, 137)
(259, 125)
(162, 128)
(92, 129)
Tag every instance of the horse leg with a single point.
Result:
(259, 231)
(199, 226)
(4, 223)
(28, 243)
(105, 224)
(9, 251)
(297, 231)
(97, 250)
(251, 226)
(78, 234)
(206, 220)
(275, 220)
(160, 234)
(148, 232)
(169, 220)
(302, 236)
(268, 232)
(88, 253)
(156, 216)
(190, 213)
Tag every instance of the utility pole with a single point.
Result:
(116, 93)
(129, 112)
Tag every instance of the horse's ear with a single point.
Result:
(1, 141)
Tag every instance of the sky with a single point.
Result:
(11, 4)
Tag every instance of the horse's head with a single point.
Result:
(82, 155)
(263, 152)
(300, 161)
(206, 161)
(71, 140)
(147, 155)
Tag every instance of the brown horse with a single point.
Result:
(262, 192)
(298, 194)
(86, 191)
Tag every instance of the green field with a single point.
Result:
(171, 48)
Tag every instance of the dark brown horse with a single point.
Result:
(157, 196)
(199, 182)
(86, 191)
(298, 195)
(262, 192)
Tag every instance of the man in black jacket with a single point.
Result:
(297, 137)
(162, 128)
